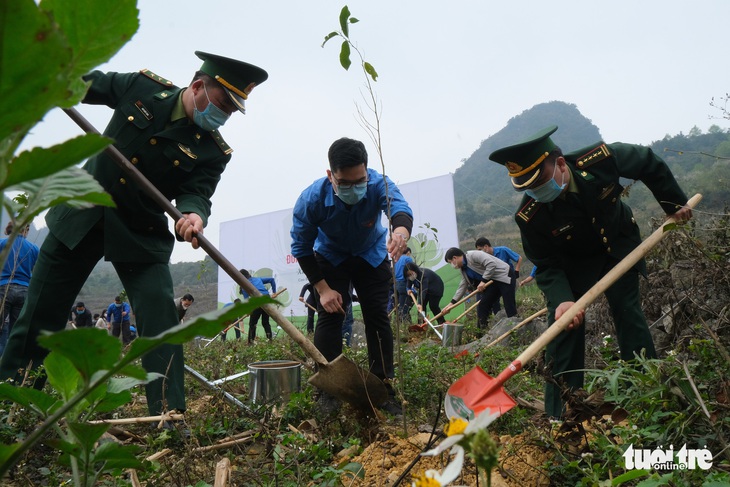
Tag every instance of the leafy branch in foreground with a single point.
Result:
(86, 369)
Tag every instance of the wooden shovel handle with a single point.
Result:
(600, 287)
(153, 193)
(235, 323)
(465, 312)
(423, 314)
(456, 304)
(517, 327)
(278, 292)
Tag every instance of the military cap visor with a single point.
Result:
(236, 77)
(524, 160)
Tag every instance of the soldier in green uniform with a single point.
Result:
(171, 135)
(575, 228)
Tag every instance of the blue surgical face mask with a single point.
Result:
(80, 311)
(211, 118)
(352, 195)
(545, 193)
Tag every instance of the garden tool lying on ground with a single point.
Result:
(341, 377)
(423, 315)
(423, 327)
(477, 391)
(517, 327)
(229, 398)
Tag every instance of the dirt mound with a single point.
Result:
(387, 458)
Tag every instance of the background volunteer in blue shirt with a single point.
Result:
(118, 314)
(15, 278)
(260, 284)
(337, 238)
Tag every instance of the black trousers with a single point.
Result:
(434, 304)
(57, 279)
(371, 286)
(311, 301)
(492, 294)
(253, 321)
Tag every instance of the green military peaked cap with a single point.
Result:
(238, 78)
(524, 159)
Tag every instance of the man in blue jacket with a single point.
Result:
(337, 238)
(118, 314)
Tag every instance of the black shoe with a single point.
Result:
(392, 407)
(328, 404)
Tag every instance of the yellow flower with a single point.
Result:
(434, 478)
(456, 426)
(424, 481)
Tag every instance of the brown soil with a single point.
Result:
(386, 459)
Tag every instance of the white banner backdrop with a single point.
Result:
(262, 243)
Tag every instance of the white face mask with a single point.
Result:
(454, 265)
(411, 276)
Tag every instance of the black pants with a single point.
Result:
(312, 302)
(434, 304)
(58, 276)
(122, 329)
(258, 313)
(492, 294)
(404, 301)
(371, 286)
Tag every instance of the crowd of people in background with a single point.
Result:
(573, 227)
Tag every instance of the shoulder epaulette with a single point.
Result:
(529, 210)
(154, 77)
(595, 155)
(221, 143)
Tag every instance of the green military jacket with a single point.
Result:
(182, 160)
(571, 240)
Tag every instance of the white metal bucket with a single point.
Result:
(273, 380)
(451, 334)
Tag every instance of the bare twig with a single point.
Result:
(694, 388)
(222, 472)
(222, 446)
(143, 419)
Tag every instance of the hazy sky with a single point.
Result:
(451, 74)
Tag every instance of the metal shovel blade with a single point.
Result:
(347, 381)
(475, 392)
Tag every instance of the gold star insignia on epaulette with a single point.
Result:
(528, 211)
(155, 77)
(221, 143)
(598, 154)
